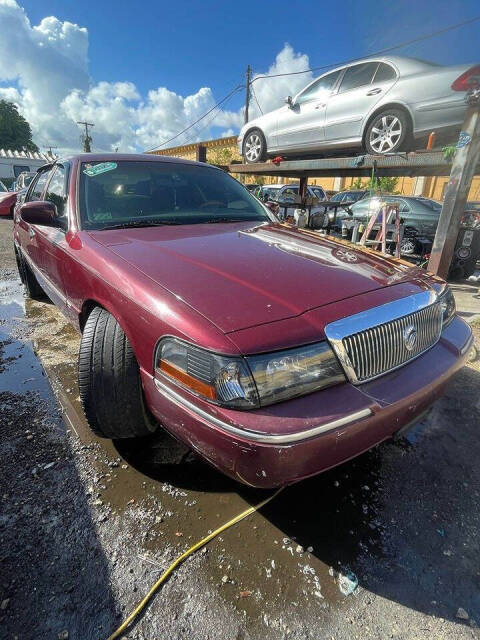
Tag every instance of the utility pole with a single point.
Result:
(247, 92)
(87, 139)
(50, 147)
(463, 167)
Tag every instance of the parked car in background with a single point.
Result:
(7, 200)
(288, 192)
(352, 195)
(419, 214)
(272, 352)
(285, 196)
(380, 105)
(24, 180)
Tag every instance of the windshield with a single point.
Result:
(2, 187)
(133, 193)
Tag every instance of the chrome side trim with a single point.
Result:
(255, 436)
(339, 329)
(466, 347)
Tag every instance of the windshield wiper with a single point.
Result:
(213, 220)
(139, 223)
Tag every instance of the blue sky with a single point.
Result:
(186, 45)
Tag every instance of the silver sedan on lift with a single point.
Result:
(378, 104)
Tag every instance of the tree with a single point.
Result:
(384, 185)
(15, 132)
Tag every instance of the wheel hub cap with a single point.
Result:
(385, 133)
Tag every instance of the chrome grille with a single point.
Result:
(386, 346)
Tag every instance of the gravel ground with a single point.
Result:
(87, 525)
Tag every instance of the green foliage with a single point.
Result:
(222, 156)
(358, 183)
(15, 132)
(449, 152)
(384, 185)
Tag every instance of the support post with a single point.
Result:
(302, 189)
(201, 153)
(247, 92)
(463, 167)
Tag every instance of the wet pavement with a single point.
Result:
(87, 525)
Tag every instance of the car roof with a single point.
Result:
(131, 157)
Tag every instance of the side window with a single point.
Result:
(36, 192)
(19, 168)
(358, 76)
(57, 193)
(321, 88)
(385, 73)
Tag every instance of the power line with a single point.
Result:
(255, 97)
(229, 95)
(371, 55)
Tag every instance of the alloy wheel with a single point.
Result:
(253, 147)
(385, 133)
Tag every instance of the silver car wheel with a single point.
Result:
(385, 133)
(253, 147)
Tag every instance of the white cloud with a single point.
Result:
(54, 90)
(271, 92)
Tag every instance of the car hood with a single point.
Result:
(238, 275)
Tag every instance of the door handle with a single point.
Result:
(31, 232)
(373, 92)
(319, 106)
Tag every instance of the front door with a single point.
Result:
(28, 232)
(301, 126)
(362, 86)
(51, 240)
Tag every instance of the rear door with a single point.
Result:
(302, 125)
(361, 87)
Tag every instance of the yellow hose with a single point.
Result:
(118, 632)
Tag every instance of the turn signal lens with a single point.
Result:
(468, 80)
(219, 379)
(447, 302)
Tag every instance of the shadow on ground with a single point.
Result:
(55, 576)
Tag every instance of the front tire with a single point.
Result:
(32, 288)
(254, 147)
(109, 380)
(388, 132)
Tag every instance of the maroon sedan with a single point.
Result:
(273, 352)
(7, 200)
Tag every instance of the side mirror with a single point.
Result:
(289, 101)
(42, 213)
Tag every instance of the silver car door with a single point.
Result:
(301, 124)
(361, 88)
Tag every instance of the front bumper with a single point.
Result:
(284, 443)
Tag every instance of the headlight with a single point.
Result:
(294, 372)
(248, 383)
(447, 302)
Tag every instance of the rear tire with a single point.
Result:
(388, 132)
(109, 380)
(32, 288)
(254, 147)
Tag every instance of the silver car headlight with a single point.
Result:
(251, 382)
(447, 302)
